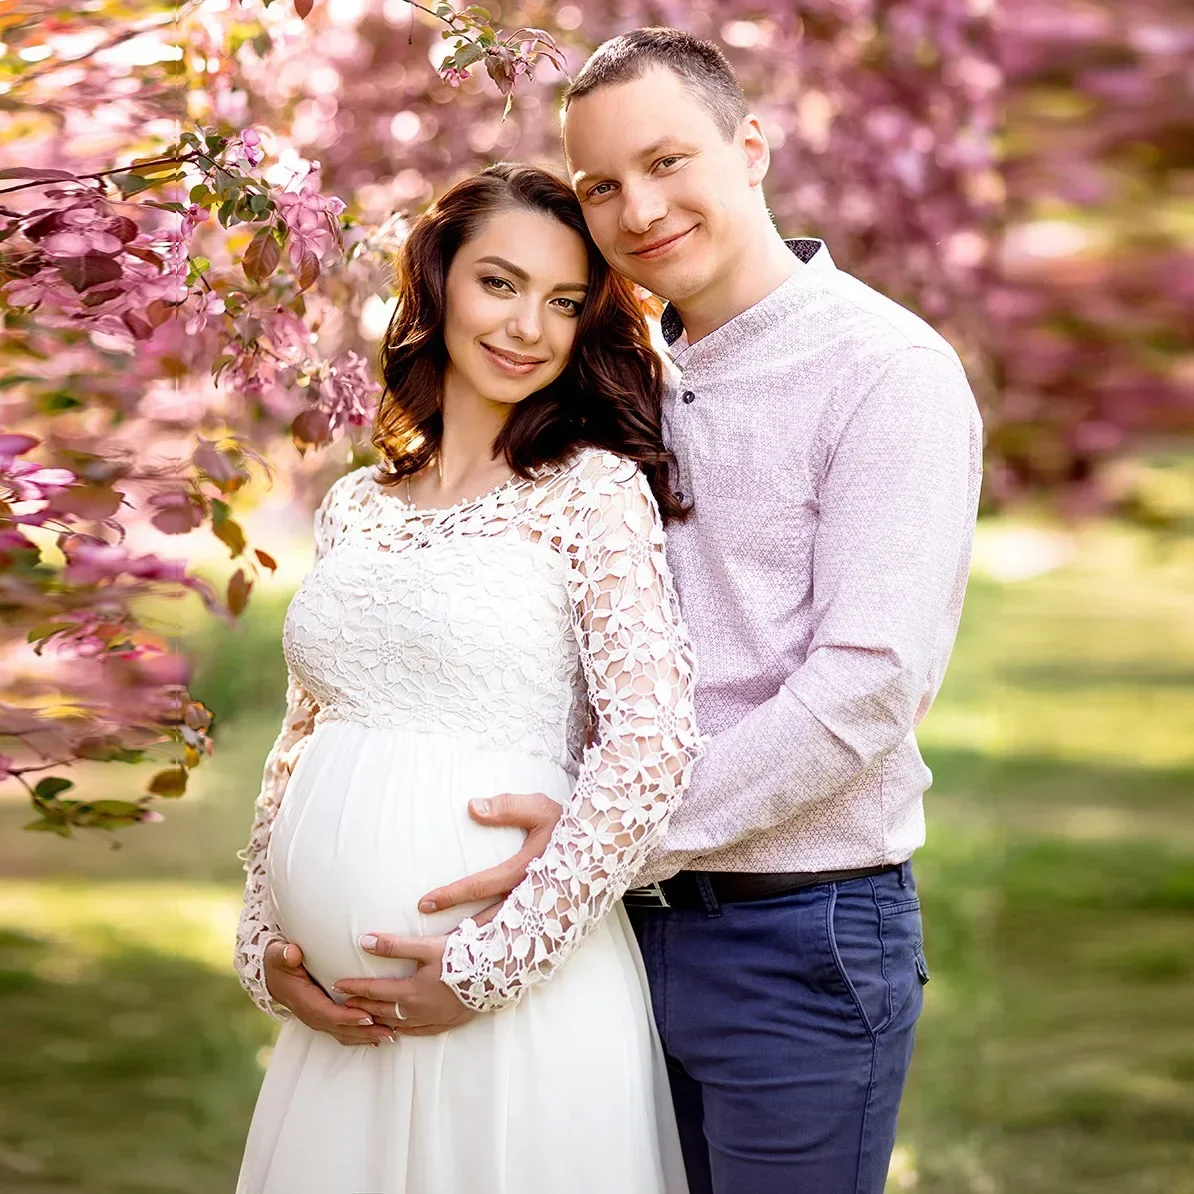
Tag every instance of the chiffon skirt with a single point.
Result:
(563, 1093)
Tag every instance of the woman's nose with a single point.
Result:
(526, 323)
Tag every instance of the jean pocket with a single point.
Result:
(855, 931)
(922, 966)
(879, 955)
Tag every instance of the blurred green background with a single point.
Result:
(1056, 1052)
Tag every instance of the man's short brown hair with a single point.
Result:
(700, 65)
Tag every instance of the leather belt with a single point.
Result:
(735, 887)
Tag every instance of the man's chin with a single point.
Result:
(673, 285)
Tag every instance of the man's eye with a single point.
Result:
(664, 163)
(602, 188)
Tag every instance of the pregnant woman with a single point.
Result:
(490, 612)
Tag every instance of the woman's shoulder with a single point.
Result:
(348, 486)
(344, 495)
(590, 467)
(595, 484)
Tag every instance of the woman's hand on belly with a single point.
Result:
(289, 983)
(421, 1005)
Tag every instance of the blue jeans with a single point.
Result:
(788, 1027)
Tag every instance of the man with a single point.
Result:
(831, 448)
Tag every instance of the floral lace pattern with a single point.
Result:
(258, 924)
(536, 617)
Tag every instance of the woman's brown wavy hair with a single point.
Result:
(609, 394)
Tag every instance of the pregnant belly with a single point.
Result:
(370, 822)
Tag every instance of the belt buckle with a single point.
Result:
(650, 896)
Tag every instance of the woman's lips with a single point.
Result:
(510, 365)
(660, 248)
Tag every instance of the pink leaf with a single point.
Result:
(90, 270)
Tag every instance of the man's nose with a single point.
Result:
(642, 206)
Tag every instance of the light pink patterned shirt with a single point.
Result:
(832, 449)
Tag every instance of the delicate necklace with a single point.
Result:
(439, 469)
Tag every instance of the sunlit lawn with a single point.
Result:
(1056, 1053)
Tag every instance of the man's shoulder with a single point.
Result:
(880, 324)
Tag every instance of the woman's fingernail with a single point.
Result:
(427, 906)
(481, 806)
(365, 1020)
(367, 941)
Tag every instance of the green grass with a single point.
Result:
(1056, 1052)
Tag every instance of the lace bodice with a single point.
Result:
(538, 617)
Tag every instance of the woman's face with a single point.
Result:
(513, 298)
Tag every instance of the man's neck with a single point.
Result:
(755, 275)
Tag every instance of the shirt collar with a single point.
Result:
(815, 255)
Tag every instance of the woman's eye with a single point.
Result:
(499, 284)
(570, 305)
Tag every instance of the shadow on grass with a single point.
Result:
(1007, 789)
(133, 1072)
(1064, 677)
(1056, 1053)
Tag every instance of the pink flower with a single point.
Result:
(46, 288)
(87, 229)
(13, 540)
(89, 561)
(309, 216)
(30, 482)
(454, 77)
(245, 149)
(13, 444)
(208, 306)
(348, 392)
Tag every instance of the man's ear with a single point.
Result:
(754, 145)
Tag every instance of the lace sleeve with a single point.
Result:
(639, 671)
(257, 926)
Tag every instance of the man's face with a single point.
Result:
(666, 197)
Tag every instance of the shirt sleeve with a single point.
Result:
(257, 926)
(640, 675)
(897, 510)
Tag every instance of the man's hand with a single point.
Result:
(535, 813)
(427, 1004)
(288, 982)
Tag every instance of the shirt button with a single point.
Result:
(679, 497)
(688, 396)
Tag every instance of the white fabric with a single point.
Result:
(437, 656)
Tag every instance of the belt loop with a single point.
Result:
(708, 898)
(905, 872)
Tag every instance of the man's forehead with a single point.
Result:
(610, 145)
(610, 122)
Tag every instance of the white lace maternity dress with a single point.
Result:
(436, 656)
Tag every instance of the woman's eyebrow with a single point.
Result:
(508, 266)
(523, 276)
